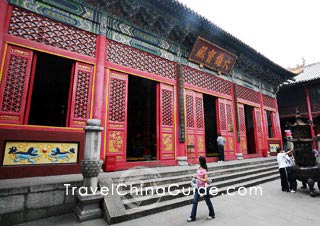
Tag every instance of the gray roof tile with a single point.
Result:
(310, 72)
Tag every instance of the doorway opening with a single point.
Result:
(210, 119)
(50, 92)
(142, 127)
(251, 143)
(269, 122)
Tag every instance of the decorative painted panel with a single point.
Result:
(206, 81)
(242, 129)
(195, 123)
(248, 94)
(116, 133)
(81, 94)
(14, 84)
(225, 124)
(127, 56)
(269, 101)
(258, 129)
(33, 153)
(40, 29)
(166, 119)
(122, 32)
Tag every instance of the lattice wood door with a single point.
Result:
(195, 124)
(117, 116)
(242, 129)
(166, 122)
(258, 132)
(225, 124)
(81, 95)
(14, 84)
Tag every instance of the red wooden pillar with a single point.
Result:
(181, 146)
(279, 128)
(309, 113)
(98, 110)
(4, 7)
(180, 114)
(236, 120)
(264, 129)
(99, 77)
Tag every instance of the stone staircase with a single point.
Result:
(172, 185)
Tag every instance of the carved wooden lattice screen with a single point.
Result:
(242, 129)
(14, 84)
(166, 119)
(117, 115)
(81, 94)
(225, 124)
(195, 123)
(258, 129)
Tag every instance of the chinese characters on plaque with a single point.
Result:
(212, 56)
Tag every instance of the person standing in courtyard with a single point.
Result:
(291, 178)
(282, 162)
(221, 142)
(201, 188)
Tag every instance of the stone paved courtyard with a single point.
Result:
(274, 207)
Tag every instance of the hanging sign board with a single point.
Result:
(211, 56)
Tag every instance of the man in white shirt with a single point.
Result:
(290, 163)
(282, 162)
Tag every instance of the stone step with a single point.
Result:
(186, 182)
(118, 208)
(143, 200)
(136, 175)
(216, 175)
(182, 201)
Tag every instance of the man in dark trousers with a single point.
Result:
(282, 162)
(221, 142)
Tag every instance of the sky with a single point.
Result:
(285, 31)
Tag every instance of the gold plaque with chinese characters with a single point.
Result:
(212, 56)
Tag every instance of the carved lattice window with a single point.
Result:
(199, 112)
(269, 101)
(36, 28)
(242, 125)
(223, 117)
(82, 95)
(248, 94)
(127, 56)
(15, 84)
(117, 100)
(206, 81)
(189, 111)
(167, 108)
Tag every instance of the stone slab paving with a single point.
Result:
(274, 208)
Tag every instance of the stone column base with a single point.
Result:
(182, 161)
(88, 206)
(239, 156)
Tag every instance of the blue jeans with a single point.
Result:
(196, 200)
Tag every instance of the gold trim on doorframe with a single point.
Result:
(3, 60)
(142, 76)
(53, 53)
